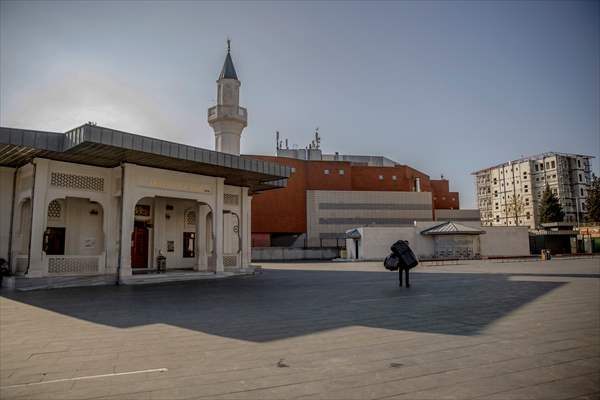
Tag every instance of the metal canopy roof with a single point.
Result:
(104, 147)
(451, 228)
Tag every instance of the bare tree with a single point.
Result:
(515, 207)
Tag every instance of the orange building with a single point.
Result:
(395, 195)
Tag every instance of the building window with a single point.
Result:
(537, 167)
(580, 178)
(293, 169)
(581, 191)
(341, 171)
(380, 177)
(578, 163)
(326, 171)
(528, 215)
(394, 177)
(547, 164)
(541, 166)
(553, 164)
(189, 244)
(495, 193)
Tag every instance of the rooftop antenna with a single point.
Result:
(442, 176)
(317, 139)
(276, 140)
(228, 45)
(286, 144)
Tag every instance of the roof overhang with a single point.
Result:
(104, 147)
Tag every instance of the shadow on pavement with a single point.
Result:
(280, 304)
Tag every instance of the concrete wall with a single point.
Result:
(292, 254)
(457, 215)
(330, 213)
(500, 241)
(6, 196)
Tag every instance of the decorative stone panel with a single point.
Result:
(190, 217)
(230, 261)
(80, 182)
(231, 199)
(72, 265)
(54, 209)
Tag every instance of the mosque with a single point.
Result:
(96, 205)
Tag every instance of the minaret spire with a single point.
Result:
(227, 118)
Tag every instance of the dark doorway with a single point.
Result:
(139, 247)
(54, 241)
(356, 247)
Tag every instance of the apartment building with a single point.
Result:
(510, 193)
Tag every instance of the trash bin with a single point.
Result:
(545, 255)
(161, 263)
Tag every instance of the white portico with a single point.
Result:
(96, 205)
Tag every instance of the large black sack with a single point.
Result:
(392, 262)
(406, 256)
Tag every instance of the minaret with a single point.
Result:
(227, 118)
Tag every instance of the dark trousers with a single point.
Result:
(405, 276)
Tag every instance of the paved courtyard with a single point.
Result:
(484, 330)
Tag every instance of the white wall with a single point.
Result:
(375, 242)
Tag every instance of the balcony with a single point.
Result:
(228, 112)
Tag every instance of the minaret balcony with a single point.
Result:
(235, 113)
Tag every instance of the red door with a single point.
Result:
(139, 248)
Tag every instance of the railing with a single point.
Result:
(227, 112)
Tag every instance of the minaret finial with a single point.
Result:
(228, 45)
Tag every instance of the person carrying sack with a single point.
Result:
(401, 259)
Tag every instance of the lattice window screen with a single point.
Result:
(82, 182)
(229, 261)
(72, 265)
(190, 217)
(231, 199)
(54, 209)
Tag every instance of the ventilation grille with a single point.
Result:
(81, 182)
(229, 261)
(81, 265)
(232, 199)
(54, 209)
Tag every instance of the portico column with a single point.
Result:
(245, 229)
(201, 250)
(39, 219)
(127, 217)
(218, 224)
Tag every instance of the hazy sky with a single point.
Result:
(446, 87)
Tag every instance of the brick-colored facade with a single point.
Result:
(284, 210)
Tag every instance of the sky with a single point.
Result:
(446, 87)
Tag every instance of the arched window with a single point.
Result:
(190, 217)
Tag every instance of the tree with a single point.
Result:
(550, 209)
(592, 204)
(515, 207)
